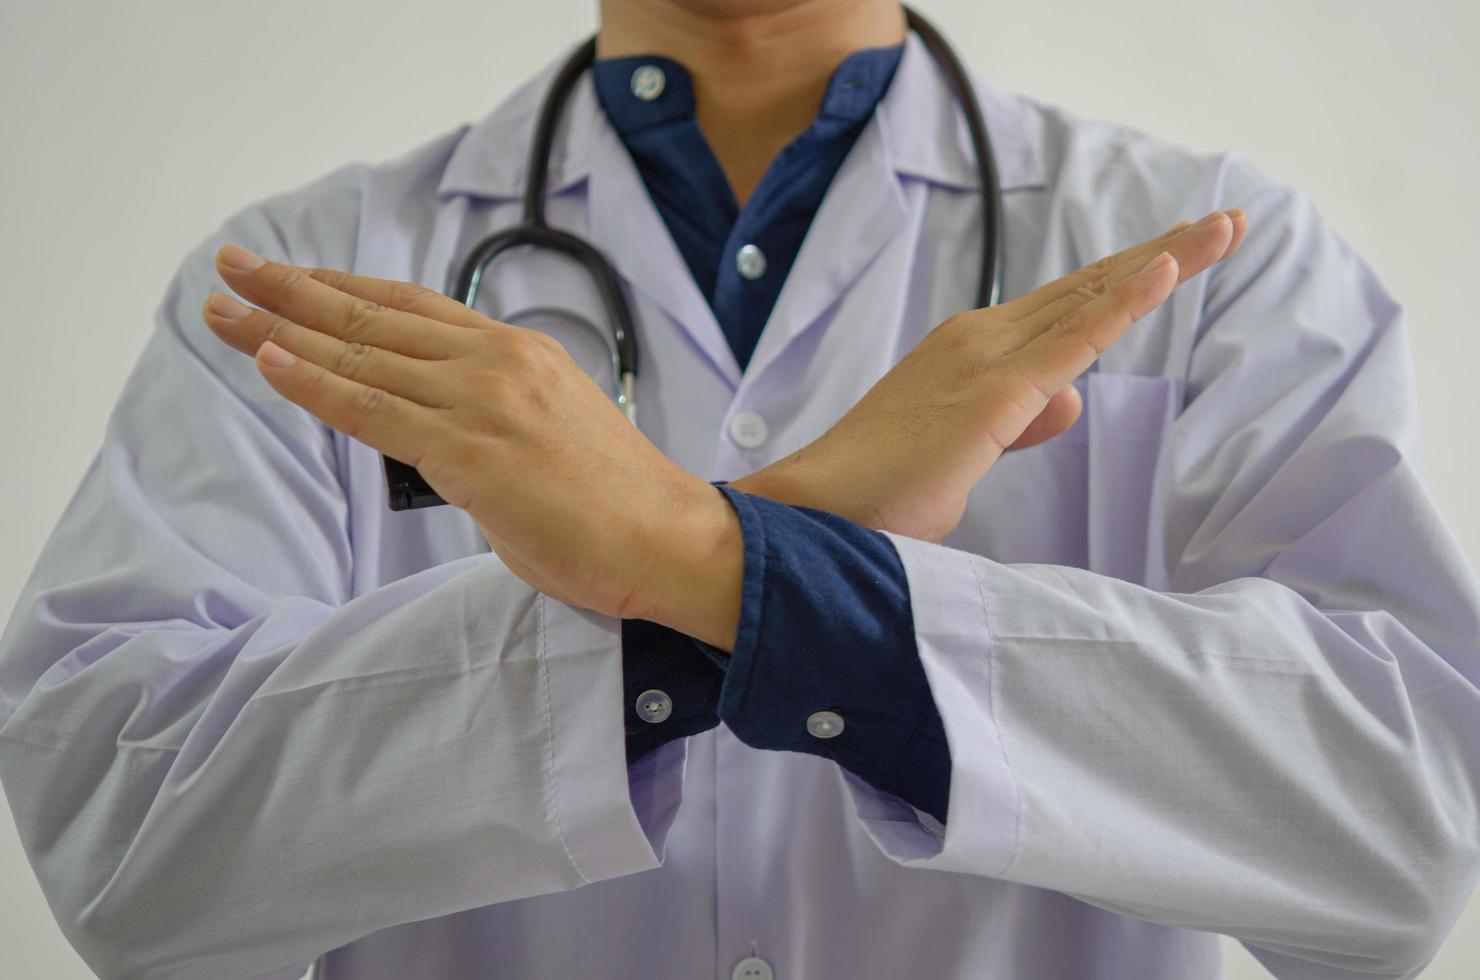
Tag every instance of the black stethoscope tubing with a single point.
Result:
(408, 490)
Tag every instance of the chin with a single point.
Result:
(734, 9)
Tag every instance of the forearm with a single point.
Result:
(1234, 759)
(181, 755)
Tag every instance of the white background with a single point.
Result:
(128, 131)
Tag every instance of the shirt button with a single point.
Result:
(748, 430)
(750, 262)
(654, 706)
(648, 82)
(752, 968)
(824, 724)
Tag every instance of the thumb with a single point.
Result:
(1057, 416)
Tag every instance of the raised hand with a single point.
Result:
(905, 457)
(502, 423)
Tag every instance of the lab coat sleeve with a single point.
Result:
(1283, 744)
(220, 761)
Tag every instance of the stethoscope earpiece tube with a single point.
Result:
(989, 283)
(405, 486)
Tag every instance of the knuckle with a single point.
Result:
(1069, 323)
(1071, 330)
(276, 330)
(334, 278)
(358, 316)
(966, 323)
(293, 278)
(351, 361)
(1092, 289)
(1100, 266)
(549, 343)
(407, 295)
(369, 402)
(526, 348)
(959, 332)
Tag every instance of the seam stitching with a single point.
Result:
(1017, 807)
(550, 780)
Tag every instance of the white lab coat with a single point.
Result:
(1206, 662)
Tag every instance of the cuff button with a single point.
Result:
(825, 724)
(654, 706)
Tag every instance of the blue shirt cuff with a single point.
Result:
(656, 658)
(826, 625)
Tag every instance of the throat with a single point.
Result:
(746, 137)
(759, 67)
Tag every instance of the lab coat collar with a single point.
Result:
(910, 136)
(491, 158)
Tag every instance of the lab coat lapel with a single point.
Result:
(626, 226)
(862, 209)
(917, 133)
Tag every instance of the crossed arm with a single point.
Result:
(501, 422)
(1281, 742)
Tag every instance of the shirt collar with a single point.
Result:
(615, 79)
(853, 89)
(924, 133)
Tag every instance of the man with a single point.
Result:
(1198, 656)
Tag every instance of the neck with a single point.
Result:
(759, 68)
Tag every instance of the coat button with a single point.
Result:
(752, 968)
(748, 430)
(654, 706)
(648, 82)
(750, 262)
(825, 724)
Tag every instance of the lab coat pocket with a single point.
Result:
(1126, 423)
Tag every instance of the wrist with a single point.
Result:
(782, 481)
(700, 577)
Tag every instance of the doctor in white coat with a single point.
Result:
(1203, 650)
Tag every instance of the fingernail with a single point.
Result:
(237, 257)
(1210, 218)
(224, 306)
(274, 356)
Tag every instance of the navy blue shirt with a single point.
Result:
(692, 194)
(825, 620)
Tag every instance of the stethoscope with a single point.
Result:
(408, 490)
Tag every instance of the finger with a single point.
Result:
(1195, 250)
(1049, 292)
(398, 428)
(408, 296)
(245, 328)
(1061, 353)
(1240, 226)
(1057, 416)
(290, 293)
